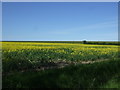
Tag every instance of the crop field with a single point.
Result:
(60, 65)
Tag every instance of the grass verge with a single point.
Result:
(94, 75)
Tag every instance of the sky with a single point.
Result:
(59, 21)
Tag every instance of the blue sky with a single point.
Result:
(66, 21)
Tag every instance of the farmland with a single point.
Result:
(61, 65)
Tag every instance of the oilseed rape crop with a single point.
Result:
(25, 55)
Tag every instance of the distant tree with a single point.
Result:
(84, 42)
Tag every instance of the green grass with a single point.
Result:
(94, 75)
(113, 83)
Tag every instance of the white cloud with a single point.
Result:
(97, 26)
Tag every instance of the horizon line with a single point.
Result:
(55, 40)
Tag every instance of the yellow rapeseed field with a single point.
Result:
(63, 50)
